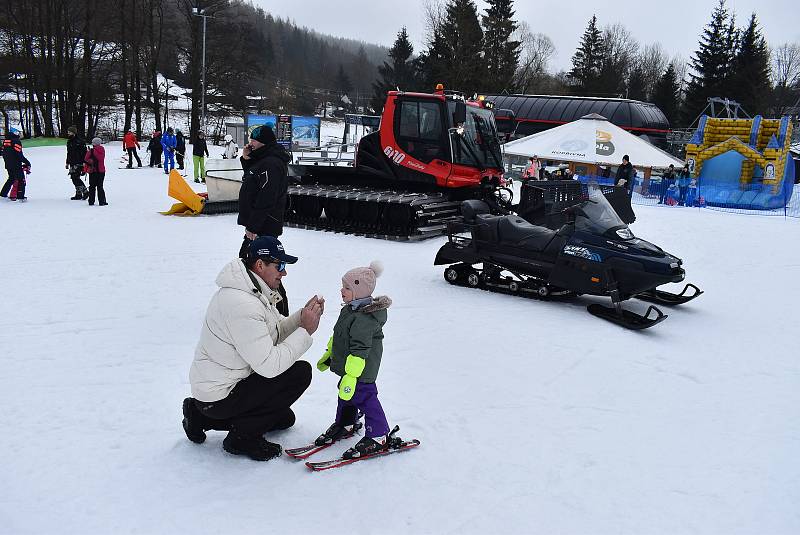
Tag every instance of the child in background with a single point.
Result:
(20, 181)
(15, 163)
(354, 353)
(95, 160)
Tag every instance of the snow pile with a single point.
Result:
(534, 417)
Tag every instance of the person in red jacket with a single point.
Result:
(96, 167)
(130, 144)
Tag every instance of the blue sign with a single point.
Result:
(305, 132)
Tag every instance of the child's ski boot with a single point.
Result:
(364, 447)
(334, 433)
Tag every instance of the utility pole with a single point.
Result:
(201, 12)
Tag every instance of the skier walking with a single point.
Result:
(16, 164)
(231, 148)
(354, 353)
(199, 152)
(130, 143)
(96, 167)
(76, 151)
(180, 148)
(168, 142)
(154, 148)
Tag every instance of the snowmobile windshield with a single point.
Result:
(597, 216)
(479, 145)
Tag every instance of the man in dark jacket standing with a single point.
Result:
(625, 174)
(180, 148)
(76, 150)
(155, 149)
(262, 198)
(666, 181)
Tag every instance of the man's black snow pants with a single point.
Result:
(257, 404)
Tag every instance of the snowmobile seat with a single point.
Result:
(471, 208)
(517, 231)
(486, 227)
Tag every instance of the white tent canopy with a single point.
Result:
(591, 139)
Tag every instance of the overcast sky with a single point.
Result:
(676, 24)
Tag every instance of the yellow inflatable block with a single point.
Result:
(179, 209)
(181, 191)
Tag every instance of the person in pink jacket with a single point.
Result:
(95, 164)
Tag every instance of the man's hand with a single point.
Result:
(309, 317)
(246, 150)
(316, 299)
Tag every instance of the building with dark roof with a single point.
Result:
(536, 113)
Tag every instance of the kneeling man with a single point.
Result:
(246, 374)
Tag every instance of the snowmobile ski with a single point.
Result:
(662, 297)
(304, 452)
(341, 461)
(626, 318)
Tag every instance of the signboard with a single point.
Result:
(283, 131)
(305, 132)
(293, 132)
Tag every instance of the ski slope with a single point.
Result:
(534, 417)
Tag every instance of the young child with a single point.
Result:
(354, 353)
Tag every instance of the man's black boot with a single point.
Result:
(191, 422)
(255, 447)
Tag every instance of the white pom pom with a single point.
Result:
(377, 267)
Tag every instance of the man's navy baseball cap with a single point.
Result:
(268, 247)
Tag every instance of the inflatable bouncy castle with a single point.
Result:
(742, 163)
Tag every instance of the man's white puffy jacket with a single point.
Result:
(243, 333)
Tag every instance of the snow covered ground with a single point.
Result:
(534, 417)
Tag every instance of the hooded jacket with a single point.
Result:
(129, 141)
(76, 150)
(199, 147)
(360, 333)
(243, 333)
(96, 159)
(12, 154)
(262, 198)
(168, 142)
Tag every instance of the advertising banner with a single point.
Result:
(305, 132)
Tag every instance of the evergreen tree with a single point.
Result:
(711, 63)
(500, 51)
(343, 83)
(750, 82)
(587, 62)
(399, 73)
(666, 94)
(433, 66)
(455, 53)
(637, 89)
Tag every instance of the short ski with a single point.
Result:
(341, 461)
(307, 451)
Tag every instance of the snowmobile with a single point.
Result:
(593, 253)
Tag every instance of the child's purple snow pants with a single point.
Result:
(365, 399)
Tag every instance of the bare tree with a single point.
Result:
(435, 13)
(537, 51)
(786, 77)
(621, 47)
(653, 62)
